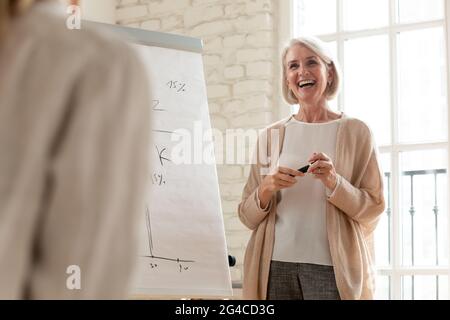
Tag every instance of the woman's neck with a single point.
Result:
(317, 113)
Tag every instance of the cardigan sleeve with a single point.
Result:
(366, 203)
(250, 212)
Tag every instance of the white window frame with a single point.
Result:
(396, 271)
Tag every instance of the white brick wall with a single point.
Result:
(240, 60)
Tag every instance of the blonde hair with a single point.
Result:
(10, 9)
(319, 48)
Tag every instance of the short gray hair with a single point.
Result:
(319, 48)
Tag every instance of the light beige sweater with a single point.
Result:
(352, 214)
(74, 129)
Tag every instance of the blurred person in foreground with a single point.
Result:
(74, 125)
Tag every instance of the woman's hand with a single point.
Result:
(323, 169)
(283, 178)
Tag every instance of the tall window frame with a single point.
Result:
(395, 270)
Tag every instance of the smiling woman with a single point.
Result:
(312, 232)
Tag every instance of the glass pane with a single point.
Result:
(421, 89)
(365, 14)
(425, 287)
(421, 287)
(366, 82)
(407, 285)
(382, 232)
(443, 288)
(332, 47)
(314, 17)
(419, 10)
(423, 208)
(382, 288)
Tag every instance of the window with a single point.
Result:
(394, 59)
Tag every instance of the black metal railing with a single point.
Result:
(412, 212)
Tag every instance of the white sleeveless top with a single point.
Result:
(300, 228)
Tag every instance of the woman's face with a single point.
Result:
(307, 75)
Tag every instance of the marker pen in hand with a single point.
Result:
(305, 168)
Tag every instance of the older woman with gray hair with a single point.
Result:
(313, 216)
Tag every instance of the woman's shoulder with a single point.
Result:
(45, 32)
(278, 124)
(272, 128)
(356, 127)
(354, 123)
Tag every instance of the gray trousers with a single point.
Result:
(301, 281)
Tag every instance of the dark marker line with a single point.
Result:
(161, 158)
(169, 259)
(149, 231)
(162, 131)
(166, 131)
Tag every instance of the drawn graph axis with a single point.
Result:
(150, 243)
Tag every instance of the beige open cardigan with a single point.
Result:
(352, 214)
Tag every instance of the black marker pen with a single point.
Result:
(305, 168)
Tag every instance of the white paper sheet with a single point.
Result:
(182, 240)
